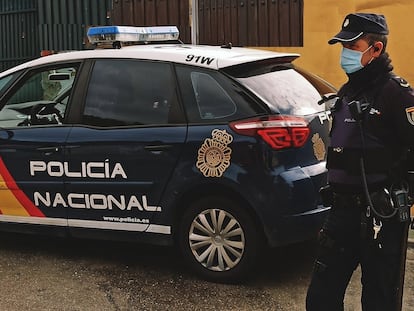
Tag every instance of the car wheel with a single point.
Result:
(219, 240)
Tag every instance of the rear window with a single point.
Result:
(282, 88)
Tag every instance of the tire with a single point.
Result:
(219, 240)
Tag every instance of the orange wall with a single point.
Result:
(323, 19)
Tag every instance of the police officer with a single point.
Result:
(372, 131)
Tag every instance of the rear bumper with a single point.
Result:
(298, 227)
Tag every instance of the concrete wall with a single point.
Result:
(323, 19)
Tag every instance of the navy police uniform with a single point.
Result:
(373, 130)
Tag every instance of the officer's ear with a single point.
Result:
(377, 46)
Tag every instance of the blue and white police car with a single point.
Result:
(218, 150)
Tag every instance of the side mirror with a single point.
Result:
(5, 134)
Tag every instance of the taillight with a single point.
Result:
(280, 132)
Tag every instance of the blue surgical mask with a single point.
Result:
(351, 59)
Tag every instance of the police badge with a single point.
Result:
(318, 147)
(214, 154)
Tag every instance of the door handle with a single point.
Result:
(157, 149)
(49, 150)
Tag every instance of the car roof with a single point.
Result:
(214, 57)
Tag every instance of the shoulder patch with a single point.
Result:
(402, 82)
(410, 114)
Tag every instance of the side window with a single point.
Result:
(40, 98)
(209, 96)
(131, 93)
(212, 100)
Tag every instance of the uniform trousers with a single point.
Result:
(344, 243)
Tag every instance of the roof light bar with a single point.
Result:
(110, 34)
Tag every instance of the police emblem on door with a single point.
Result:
(214, 154)
(318, 147)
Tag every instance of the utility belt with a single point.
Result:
(344, 200)
(349, 159)
(383, 203)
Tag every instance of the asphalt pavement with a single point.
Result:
(42, 274)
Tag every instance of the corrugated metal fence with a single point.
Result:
(29, 26)
(251, 22)
(241, 22)
(152, 13)
(63, 23)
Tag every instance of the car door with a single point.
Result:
(124, 150)
(32, 137)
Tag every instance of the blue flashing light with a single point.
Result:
(110, 34)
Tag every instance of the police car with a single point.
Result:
(218, 150)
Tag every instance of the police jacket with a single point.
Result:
(373, 122)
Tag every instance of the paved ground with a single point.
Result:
(54, 274)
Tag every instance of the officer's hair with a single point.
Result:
(371, 38)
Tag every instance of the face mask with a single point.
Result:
(351, 59)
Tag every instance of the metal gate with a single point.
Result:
(29, 26)
(18, 35)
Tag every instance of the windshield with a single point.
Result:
(5, 82)
(284, 90)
